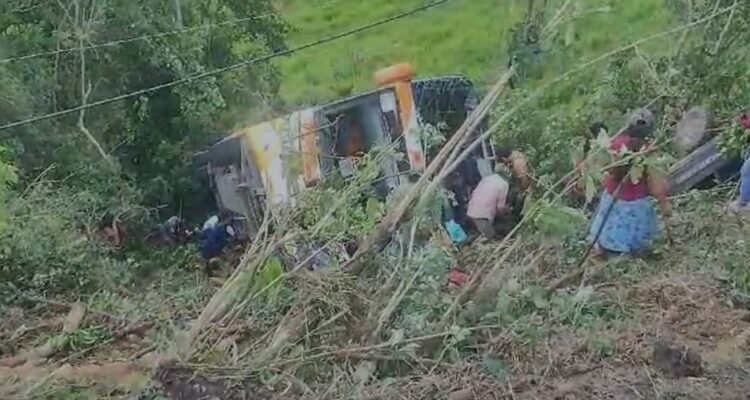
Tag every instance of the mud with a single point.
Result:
(181, 383)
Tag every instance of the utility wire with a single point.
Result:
(132, 39)
(228, 68)
(138, 38)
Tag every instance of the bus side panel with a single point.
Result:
(310, 148)
(227, 180)
(289, 128)
(410, 123)
(266, 145)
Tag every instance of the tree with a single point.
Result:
(150, 138)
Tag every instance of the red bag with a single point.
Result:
(457, 278)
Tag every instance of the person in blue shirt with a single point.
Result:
(742, 204)
(215, 236)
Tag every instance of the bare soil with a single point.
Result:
(688, 340)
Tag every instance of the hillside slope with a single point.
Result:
(464, 37)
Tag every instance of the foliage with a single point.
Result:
(554, 222)
(520, 307)
(734, 268)
(8, 177)
(79, 340)
(429, 267)
(45, 248)
(152, 136)
(269, 279)
(560, 115)
(734, 141)
(357, 208)
(668, 75)
(51, 243)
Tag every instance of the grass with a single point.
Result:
(462, 37)
(586, 323)
(428, 40)
(459, 39)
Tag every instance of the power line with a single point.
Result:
(133, 39)
(232, 67)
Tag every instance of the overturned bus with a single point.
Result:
(267, 164)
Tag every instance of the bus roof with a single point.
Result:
(227, 147)
(424, 81)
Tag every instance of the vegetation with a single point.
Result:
(285, 320)
(479, 49)
(126, 159)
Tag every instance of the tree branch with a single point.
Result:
(85, 92)
(444, 156)
(717, 45)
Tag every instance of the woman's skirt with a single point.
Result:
(631, 227)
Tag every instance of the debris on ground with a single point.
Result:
(677, 361)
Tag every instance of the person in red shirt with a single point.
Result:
(626, 220)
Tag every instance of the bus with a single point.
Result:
(266, 165)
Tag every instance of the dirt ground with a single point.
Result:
(691, 342)
(688, 340)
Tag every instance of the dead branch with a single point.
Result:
(384, 357)
(399, 294)
(345, 352)
(52, 323)
(566, 279)
(138, 329)
(60, 306)
(39, 354)
(717, 45)
(75, 317)
(289, 327)
(390, 222)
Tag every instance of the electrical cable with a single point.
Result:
(228, 68)
(132, 39)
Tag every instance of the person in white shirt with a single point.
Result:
(488, 200)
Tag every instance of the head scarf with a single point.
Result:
(640, 123)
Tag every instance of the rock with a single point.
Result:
(692, 128)
(75, 318)
(676, 361)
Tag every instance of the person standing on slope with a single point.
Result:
(625, 221)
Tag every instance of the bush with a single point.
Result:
(45, 248)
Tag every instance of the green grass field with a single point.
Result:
(468, 37)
